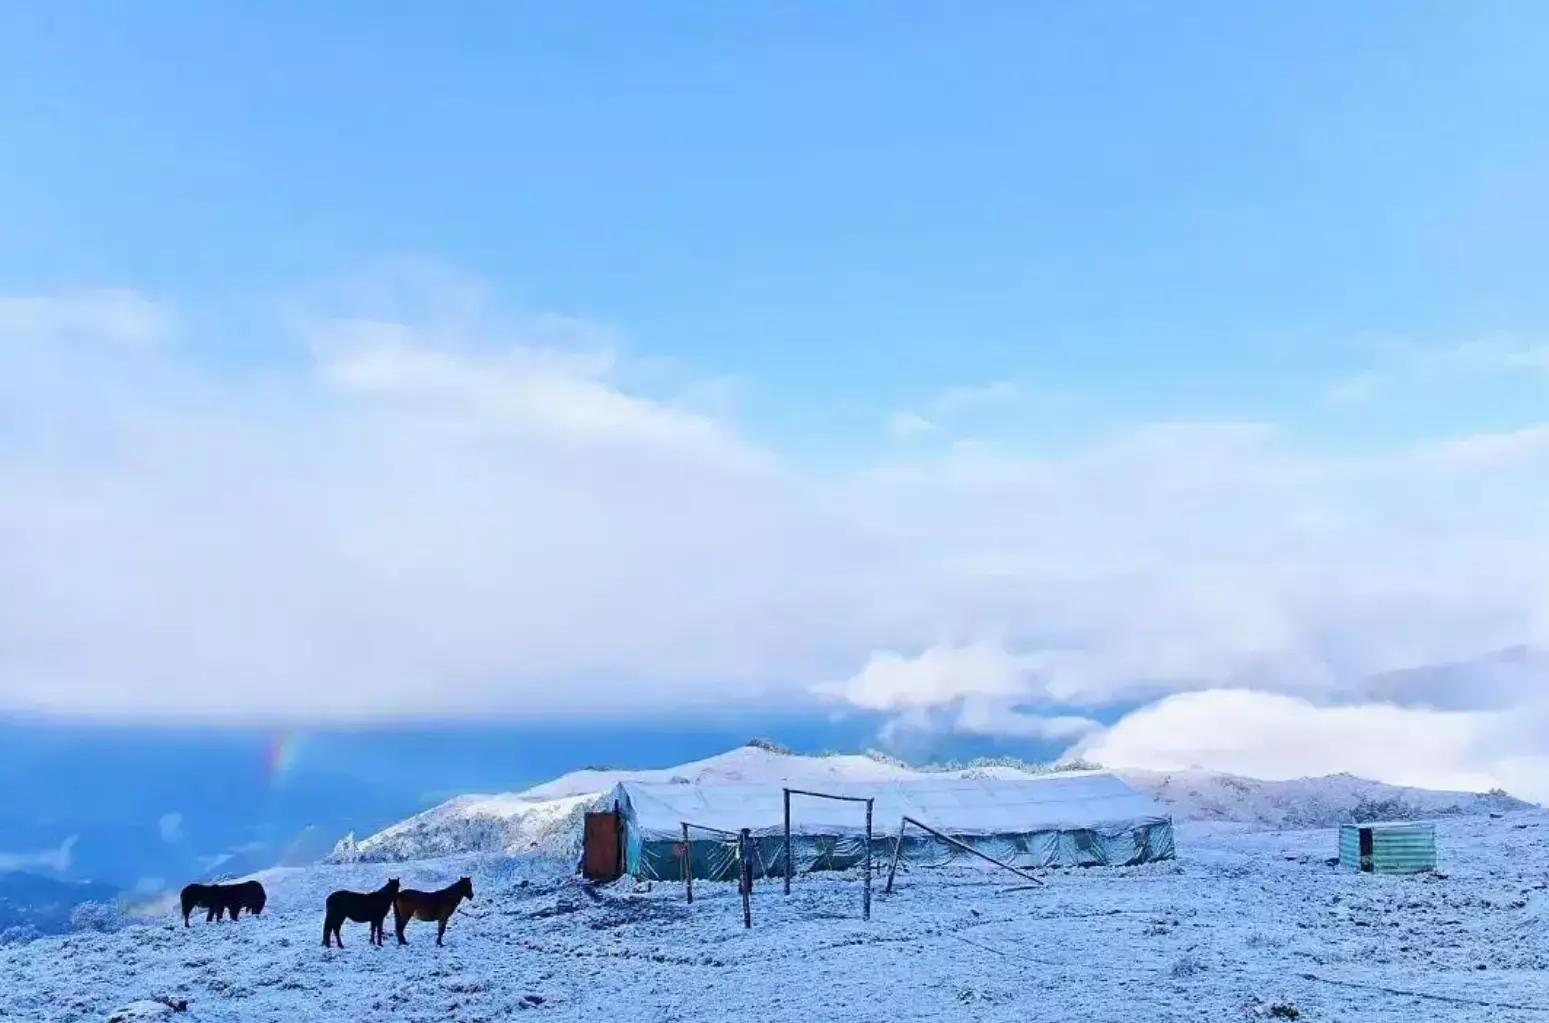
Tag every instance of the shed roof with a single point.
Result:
(960, 806)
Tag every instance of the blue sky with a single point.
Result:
(1024, 375)
(1145, 213)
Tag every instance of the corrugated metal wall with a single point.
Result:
(1395, 849)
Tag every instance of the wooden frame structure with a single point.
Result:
(744, 865)
(898, 845)
(790, 862)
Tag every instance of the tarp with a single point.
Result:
(1066, 819)
(958, 806)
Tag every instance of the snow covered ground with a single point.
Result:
(1245, 924)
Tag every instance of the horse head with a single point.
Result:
(465, 888)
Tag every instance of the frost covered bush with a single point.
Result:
(19, 934)
(1188, 965)
(97, 916)
(1278, 1009)
(769, 746)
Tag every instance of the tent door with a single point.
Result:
(602, 860)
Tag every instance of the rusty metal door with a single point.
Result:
(602, 860)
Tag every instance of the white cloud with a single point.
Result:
(114, 315)
(939, 674)
(953, 400)
(951, 403)
(997, 718)
(1355, 389)
(57, 859)
(170, 826)
(905, 425)
(448, 511)
(1403, 366)
(1269, 735)
(1486, 450)
(994, 717)
(401, 528)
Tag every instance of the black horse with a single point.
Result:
(362, 907)
(221, 899)
(438, 906)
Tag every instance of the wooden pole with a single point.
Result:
(688, 865)
(892, 868)
(970, 849)
(743, 841)
(866, 904)
(788, 865)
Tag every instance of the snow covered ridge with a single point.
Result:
(546, 819)
(1308, 802)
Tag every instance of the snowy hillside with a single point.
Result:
(546, 819)
(1306, 802)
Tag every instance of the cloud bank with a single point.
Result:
(441, 508)
(57, 859)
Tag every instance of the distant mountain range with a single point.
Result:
(29, 900)
(545, 819)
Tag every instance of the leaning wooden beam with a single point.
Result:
(688, 851)
(892, 867)
(743, 844)
(965, 847)
(713, 831)
(825, 795)
(688, 864)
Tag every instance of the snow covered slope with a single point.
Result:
(546, 819)
(1306, 802)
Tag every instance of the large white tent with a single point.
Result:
(1063, 819)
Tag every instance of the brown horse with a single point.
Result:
(362, 907)
(438, 906)
(220, 899)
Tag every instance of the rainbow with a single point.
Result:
(281, 754)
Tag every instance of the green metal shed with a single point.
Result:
(1388, 847)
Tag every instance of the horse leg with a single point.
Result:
(440, 930)
(399, 923)
(209, 917)
(327, 931)
(236, 911)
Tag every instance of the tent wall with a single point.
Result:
(716, 859)
(1074, 819)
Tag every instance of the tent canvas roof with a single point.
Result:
(960, 806)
